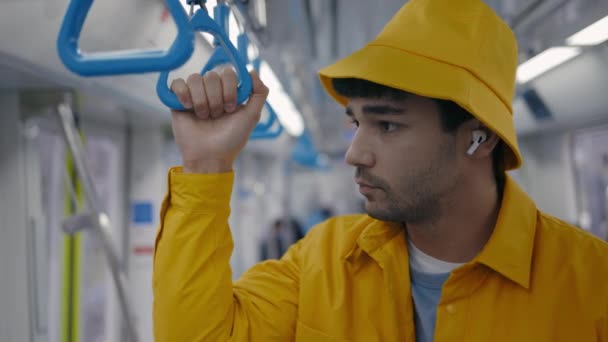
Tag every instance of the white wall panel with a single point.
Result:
(14, 301)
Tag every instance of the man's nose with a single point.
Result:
(359, 152)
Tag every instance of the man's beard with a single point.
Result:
(421, 206)
(415, 198)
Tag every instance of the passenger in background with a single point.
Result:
(317, 216)
(279, 238)
(451, 249)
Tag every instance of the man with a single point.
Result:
(452, 248)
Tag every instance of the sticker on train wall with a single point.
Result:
(142, 213)
(143, 250)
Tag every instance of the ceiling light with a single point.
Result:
(545, 61)
(593, 34)
(289, 116)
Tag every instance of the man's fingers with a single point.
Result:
(213, 86)
(229, 85)
(198, 95)
(180, 89)
(258, 95)
(259, 88)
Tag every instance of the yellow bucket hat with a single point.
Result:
(445, 49)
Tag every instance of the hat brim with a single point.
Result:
(428, 77)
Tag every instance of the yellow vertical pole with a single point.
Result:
(71, 258)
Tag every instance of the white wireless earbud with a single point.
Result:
(479, 137)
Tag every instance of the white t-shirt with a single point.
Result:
(425, 263)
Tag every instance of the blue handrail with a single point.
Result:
(201, 21)
(272, 118)
(121, 62)
(266, 133)
(221, 14)
(262, 130)
(305, 154)
(261, 127)
(242, 44)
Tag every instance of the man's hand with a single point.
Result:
(215, 129)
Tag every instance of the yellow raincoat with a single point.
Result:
(537, 279)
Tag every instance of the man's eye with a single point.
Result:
(388, 126)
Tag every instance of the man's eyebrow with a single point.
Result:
(382, 110)
(378, 110)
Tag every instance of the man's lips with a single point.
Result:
(364, 183)
(365, 187)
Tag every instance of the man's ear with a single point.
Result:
(481, 140)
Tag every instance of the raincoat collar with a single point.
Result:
(508, 251)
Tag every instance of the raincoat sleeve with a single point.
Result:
(194, 296)
(602, 328)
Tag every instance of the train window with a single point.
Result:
(591, 172)
(259, 12)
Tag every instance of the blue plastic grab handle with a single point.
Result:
(201, 21)
(221, 14)
(218, 57)
(266, 133)
(242, 44)
(256, 64)
(261, 131)
(121, 62)
(305, 154)
(272, 118)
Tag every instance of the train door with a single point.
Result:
(71, 294)
(591, 170)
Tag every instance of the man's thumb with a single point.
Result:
(259, 94)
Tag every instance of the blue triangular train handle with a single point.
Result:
(304, 152)
(261, 130)
(121, 62)
(201, 21)
(242, 44)
(272, 117)
(218, 57)
(267, 134)
(261, 127)
(221, 14)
